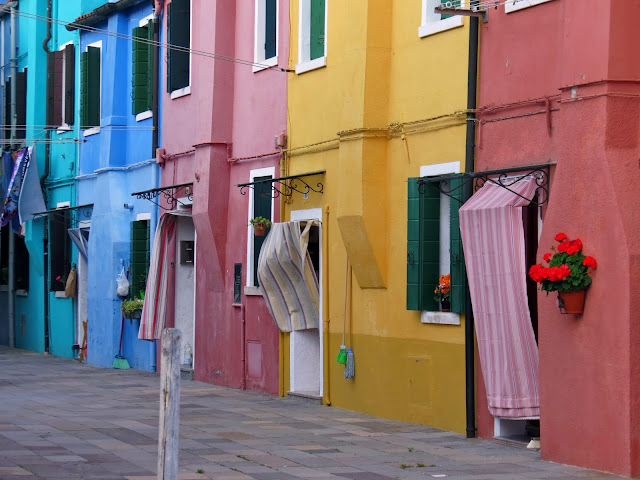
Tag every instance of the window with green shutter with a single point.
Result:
(90, 87)
(261, 208)
(423, 246)
(179, 35)
(139, 257)
(316, 29)
(140, 71)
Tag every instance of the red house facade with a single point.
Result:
(559, 84)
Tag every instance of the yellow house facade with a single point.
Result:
(378, 97)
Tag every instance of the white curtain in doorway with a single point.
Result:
(494, 250)
(287, 278)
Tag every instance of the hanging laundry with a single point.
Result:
(10, 208)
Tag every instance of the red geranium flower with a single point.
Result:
(547, 257)
(561, 237)
(589, 262)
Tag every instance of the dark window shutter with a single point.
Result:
(93, 86)
(59, 248)
(139, 257)
(423, 246)
(261, 208)
(69, 83)
(150, 63)
(7, 107)
(21, 263)
(458, 275)
(140, 71)
(179, 36)
(444, 15)
(21, 104)
(56, 115)
(317, 29)
(84, 90)
(270, 29)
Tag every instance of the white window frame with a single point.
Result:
(305, 63)
(431, 21)
(147, 113)
(64, 126)
(250, 286)
(444, 318)
(515, 5)
(181, 92)
(259, 36)
(92, 131)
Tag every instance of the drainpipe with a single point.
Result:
(243, 346)
(155, 82)
(12, 239)
(469, 339)
(43, 179)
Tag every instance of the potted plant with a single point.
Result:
(260, 225)
(132, 309)
(443, 292)
(567, 273)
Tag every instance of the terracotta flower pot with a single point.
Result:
(572, 302)
(445, 305)
(259, 230)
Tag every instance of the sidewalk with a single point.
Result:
(63, 420)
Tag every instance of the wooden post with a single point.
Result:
(169, 429)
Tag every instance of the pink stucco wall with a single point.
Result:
(579, 54)
(231, 112)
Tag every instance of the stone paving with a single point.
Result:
(63, 420)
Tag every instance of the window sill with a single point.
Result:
(311, 65)
(264, 64)
(440, 26)
(515, 5)
(144, 115)
(181, 92)
(252, 291)
(22, 293)
(91, 131)
(440, 318)
(63, 128)
(61, 294)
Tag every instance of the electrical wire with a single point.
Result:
(146, 41)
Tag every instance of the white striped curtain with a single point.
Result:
(494, 250)
(287, 278)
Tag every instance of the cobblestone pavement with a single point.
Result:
(63, 420)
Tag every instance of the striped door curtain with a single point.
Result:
(287, 278)
(154, 310)
(494, 250)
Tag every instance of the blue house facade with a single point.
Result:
(118, 113)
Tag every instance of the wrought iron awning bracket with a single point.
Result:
(438, 185)
(504, 178)
(285, 186)
(169, 193)
(75, 214)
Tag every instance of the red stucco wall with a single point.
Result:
(575, 52)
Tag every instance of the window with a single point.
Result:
(434, 244)
(142, 69)
(435, 22)
(140, 233)
(64, 82)
(59, 249)
(260, 205)
(178, 61)
(90, 73)
(312, 42)
(514, 5)
(266, 34)
(20, 260)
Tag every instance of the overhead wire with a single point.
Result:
(168, 46)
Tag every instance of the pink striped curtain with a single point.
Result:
(493, 241)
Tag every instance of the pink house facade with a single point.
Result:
(223, 124)
(558, 85)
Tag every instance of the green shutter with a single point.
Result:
(84, 87)
(151, 26)
(423, 246)
(179, 33)
(317, 29)
(261, 208)
(140, 71)
(270, 29)
(444, 15)
(93, 86)
(139, 257)
(458, 274)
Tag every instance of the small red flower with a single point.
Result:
(589, 262)
(547, 257)
(561, 237)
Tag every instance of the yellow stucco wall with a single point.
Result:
(379, 74)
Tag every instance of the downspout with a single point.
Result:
(12, 239)
(469, 338)
(155, 82)
(45, 175)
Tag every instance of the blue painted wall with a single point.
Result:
(114, 163)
